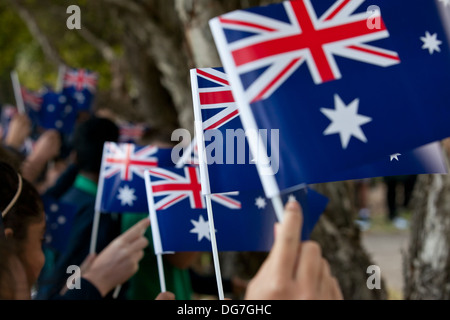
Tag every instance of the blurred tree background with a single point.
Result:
(143, 50)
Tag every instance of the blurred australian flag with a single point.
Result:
(346, 82)
(121, 183)
(59, 221)
(57, 112)
(80, 86)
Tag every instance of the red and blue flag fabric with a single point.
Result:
(243, 220)
(121, 182)
(216, 110)
(346, 82)
(80, 85)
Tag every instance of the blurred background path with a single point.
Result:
(385, 243)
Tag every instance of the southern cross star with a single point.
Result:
(431, 42)
(395, 156)
(126, 196)
(201, 228)
(346, 121)
(260, 202)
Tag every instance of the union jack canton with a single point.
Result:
(121, 183)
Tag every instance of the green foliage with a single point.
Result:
(20, 51)
(14, 39)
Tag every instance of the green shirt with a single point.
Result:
(85, 184)
(145, 283)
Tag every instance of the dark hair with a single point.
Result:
(88, 142)
(28, 208)
(7, 284)
(10, 157)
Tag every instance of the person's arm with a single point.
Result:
(46, 148)
(119, 260)
(87, 291)
(293, 270)
(19, 129)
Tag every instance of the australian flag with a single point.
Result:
(219, 127)
(243, 221)
(59, 221)
(131, 132)
(80, 86)
(346, 82)
(121, 183)
(215, 109)
(57, 112)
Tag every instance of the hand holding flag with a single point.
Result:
(298, 276)
(115, 264)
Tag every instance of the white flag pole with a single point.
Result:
(98, 200)
(94, 233)
(186, 154)
(257, 148)
(60, 79)
(204, 180)
(157, 245)
(17, 92)
(215, 251)
(278, 207)
(162, 279)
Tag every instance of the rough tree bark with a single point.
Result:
(159, 38)
(340, 239)
(427, 262)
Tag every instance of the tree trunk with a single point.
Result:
(340, 240)
(154, 102)
(427, 262)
